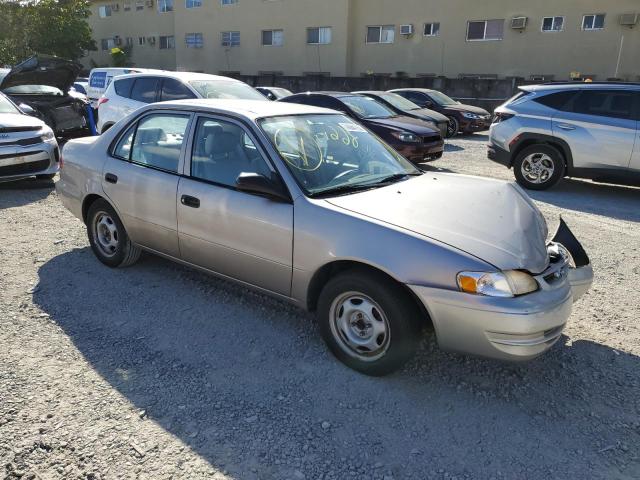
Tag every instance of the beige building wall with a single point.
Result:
(521, 53)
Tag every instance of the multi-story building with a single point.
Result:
(543, 39)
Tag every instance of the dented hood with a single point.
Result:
(43, 70)
(490, 219)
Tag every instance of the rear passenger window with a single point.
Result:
(605, 103)
(174, 90)
(557, 101)
(158, 141)
(123, 87)
(144, 89)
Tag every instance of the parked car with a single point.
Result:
(274, 93)
(402, 106)
(80, 87)
(43, 83)
(464, 118)
(588, 130)
(129, 92)
(101, 77)
(307, 205)
(415, 139)
(28, 146)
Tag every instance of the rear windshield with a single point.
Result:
(6, 106)
(222, 89)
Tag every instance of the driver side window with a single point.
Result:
(222, 151)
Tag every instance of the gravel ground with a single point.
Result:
(158, 371)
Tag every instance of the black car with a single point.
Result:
(274, 93)
(402, 106)
(415, 139)
(465, 118)
(42, 83)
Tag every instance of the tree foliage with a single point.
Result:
(53, 27)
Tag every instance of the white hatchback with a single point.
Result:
(129, 92)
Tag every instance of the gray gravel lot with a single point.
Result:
(157, 371)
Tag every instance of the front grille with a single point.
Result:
(24, 168)
(33, 128)
(23, 142)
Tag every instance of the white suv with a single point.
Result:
(129, 92)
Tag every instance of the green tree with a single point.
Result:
(53, 27)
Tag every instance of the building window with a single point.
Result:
(431, 29)
(129, 41)
(593, 22)
(139, 5)
(142, 41)
(193, 3)
(381, 34)
(485, 30)
(126, 6)
(228, 2)
(272, 38)
(552, 24)
(107, 44)
(167, 42)
(165, 6)
(230, 39)
(104, 11)
(319, 35)
(194, 40)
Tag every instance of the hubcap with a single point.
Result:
(106, 234)
(360, 326)
(537, 168)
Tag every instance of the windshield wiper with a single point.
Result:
(343, 190)
(395, 177)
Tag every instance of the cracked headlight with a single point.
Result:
(497, 284)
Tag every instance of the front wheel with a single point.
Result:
(108, 238)
(453, 127)
(369, 323)
(538, 167)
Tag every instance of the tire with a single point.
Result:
(108, 237)
(106, 127)
(46, 176)
(539, 167)
(377, 313)
(453, 127)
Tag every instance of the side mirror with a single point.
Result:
(261, 185)
(26, 109)
(428, 103)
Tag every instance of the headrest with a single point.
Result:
(150, 135)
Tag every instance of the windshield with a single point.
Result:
(331, 154)
(399, 102)
(222, 89)
(281, 92)
(6, 106)
(366, 107)
(33, 90)
(441, 98)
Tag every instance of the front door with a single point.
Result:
(241, 235)
(141, 180)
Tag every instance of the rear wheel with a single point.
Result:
(453, 126)
(539, 167)
(108, 238)
(368, 322)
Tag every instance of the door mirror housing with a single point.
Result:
(26, 109)
(261, 185)
(428, 103)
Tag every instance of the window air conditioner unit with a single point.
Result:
(406, 29)
(151, 40)
(150, 3)
(629, 19)
(519, 23)
(117, 40)
(115, 7)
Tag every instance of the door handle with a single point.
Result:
(565, 126)
(189, 201)
(111, 178)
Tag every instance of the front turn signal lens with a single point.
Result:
(497, 284)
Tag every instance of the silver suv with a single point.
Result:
(583, 130)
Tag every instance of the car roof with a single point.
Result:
(185, 76)
(250, 109)
(425, 90)
(370, 92)
(579, 86)
(328, 93)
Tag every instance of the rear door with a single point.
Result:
(599, 125)
(143, 91)
(634, 164)
(141, 179)
(173, 89)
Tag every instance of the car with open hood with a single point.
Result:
(43, 83)
(402, 106)
(417, 140)
(463, 118)
(307, 205)
(28, 146)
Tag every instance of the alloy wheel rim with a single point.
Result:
(537, 168)
(106, 234)
(359, 326)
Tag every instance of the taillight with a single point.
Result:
(102, 100)
(501, 117)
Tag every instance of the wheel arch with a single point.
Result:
(330, 270)
(88, 201)
(528, 139)
(107, 126)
